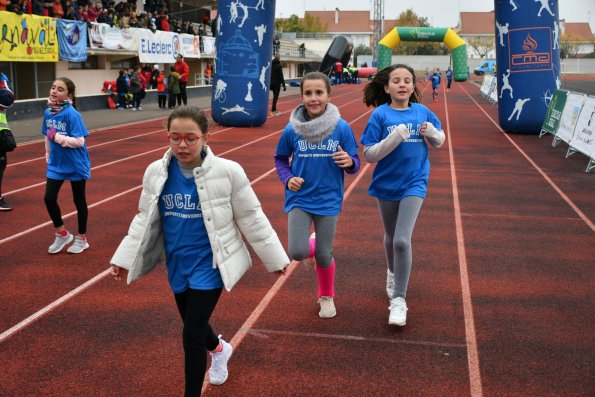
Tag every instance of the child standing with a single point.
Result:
(395, 137)
(323, 149)
(173, 88)
(449, 76)
(195, 207)
(67, 160)
(161, 90)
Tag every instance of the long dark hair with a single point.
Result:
(70, 87)
(375, 94)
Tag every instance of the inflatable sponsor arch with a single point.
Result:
(446, 35)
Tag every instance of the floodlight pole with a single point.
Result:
(378, 19)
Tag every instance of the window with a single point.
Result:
(90, 63)
(124, 63)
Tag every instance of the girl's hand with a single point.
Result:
(342, 158)
(295, 183)
(51, 133)
(427, 128)
(118, 273)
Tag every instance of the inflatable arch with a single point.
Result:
(456, 45)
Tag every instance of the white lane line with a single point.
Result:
(262, 333)
(36, 316)
(470, 337)
(574, 207)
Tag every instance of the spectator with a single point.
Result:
(183, 70)
(136, 88)
(277, 80)
(209, 74)
(338, 72)
(276, 44)
(302, 50)
(161, 89)
(58, 9)
(154, 74)
(6, 101)
(173, 88)
(122, 88)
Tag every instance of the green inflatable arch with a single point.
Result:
(456, 45)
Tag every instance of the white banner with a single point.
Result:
(189, 46)
(569, 118)
(584, 135)
(486, 84)
(101, 35)
(208, 45)
(158, 47)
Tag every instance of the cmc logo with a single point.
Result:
(175, 46)
(530, 49)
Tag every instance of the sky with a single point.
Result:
(440, 13)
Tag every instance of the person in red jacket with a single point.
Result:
(183, 69)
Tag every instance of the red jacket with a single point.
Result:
(183, 69)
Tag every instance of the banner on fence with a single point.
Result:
(72, 40)
(28, 38)
(554, 112)
(570, 114)
(583, 140)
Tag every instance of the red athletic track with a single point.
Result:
(500, 298)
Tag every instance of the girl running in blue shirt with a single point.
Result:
(67, 160)
(195, 207)
(322, 148)
(396, 137)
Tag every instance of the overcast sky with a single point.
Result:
(440, 13)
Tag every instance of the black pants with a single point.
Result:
(449, 83)
(137, 97)
(161, 99)
(173, 98)
(276, 88)
(196, 307)
(52, 188)
(183, 92)
(3, 163)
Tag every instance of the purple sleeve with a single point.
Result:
(356, 165)
(283, 168)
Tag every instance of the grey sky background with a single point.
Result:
(440, 13)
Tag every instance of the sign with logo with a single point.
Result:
(554, 112)
(530, 49)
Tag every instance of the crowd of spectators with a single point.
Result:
(155, 15)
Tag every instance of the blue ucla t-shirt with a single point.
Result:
(188, 253)
(322, 191)
(405, 171)
(65, 163)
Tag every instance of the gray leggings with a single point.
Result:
(398, 219)
(298, 234)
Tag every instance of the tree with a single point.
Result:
(482, 45)
(294, 24)
(569, 46)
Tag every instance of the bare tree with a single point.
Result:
(569, 46)
(482, 45)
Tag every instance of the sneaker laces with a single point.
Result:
(398, 305)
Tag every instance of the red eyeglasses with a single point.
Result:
(190, 139)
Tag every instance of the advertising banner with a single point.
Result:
(158, 47)
(72, 39)
(584, 134)
(28, 38)
(554, 112)
(569, 117)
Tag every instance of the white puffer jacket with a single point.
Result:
(229, 206)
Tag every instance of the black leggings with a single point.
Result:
(52, 188)
(3, 162)
(196, 307)
(276, 88)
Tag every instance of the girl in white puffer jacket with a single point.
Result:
(196, 206)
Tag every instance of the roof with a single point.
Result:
(579, 30)
(474, 23)
(349, 21)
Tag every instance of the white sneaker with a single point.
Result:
(398, 312)
(60, 242)
(134, 109)
(140, 108)
(218, 372)
(80, 244)
(390, 284)
(327, 307)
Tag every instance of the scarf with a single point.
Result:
(56, 107)
(314, 130)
